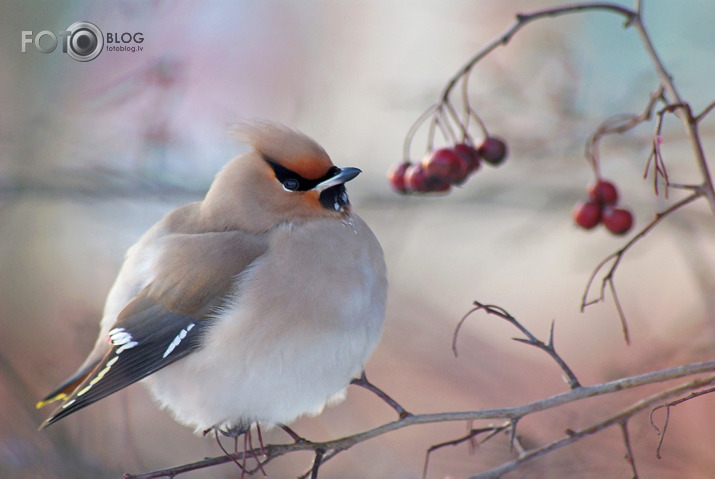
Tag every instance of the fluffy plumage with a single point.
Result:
(256, 305)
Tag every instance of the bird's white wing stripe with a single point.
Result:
(179, 337)
(119, 336)
(128, 345)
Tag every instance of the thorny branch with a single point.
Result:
(335, 446)
(619, 418)
(530, 338)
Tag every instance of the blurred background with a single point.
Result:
(92, 154)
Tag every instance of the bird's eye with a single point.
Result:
(291, 184)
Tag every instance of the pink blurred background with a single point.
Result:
(92, 154)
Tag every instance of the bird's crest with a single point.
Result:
(281, 144)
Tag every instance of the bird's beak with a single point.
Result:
(342, 176)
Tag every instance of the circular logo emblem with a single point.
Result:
(85, 41)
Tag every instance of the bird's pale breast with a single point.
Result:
(301, 321)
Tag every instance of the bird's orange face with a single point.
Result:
(317, 185)
(308, 165)
(286, 177)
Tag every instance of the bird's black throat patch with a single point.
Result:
(334, 198)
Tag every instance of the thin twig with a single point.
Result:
(666, 421)
(619, 124)
(493, 430)
(316, 463)
(619, 309)
(326, 456)
(656, 157)
(530, 338)
(458, 327)
(615, 258)
(363, 382)
(705, 112)
(689, 122)
(630, 458)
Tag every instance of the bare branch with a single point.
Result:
(689, 122)
(457, 328)
(362, 381)
(316, 463)
(336, 446)
(573, 436)
(524, 18)
(619, 309)
(705, 112)
(619, 124)
(656, 158)
(666, 421)
(492, 430)
(530, 338)
(630, 459)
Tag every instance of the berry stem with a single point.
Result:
(413, 130)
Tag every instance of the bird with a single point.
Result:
(254, 306)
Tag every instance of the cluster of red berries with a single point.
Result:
(601, 208)
(440, 169)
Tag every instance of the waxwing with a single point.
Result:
(256, 305)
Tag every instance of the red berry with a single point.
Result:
(470, 155)
(396, 177)
(617, 220)
(446, 165)
(603, 192)
(587, 214)
(415, 178)
(493, 150)
(418, 180)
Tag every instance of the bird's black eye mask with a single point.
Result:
(292, 181)
(333, 198)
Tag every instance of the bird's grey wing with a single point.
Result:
(165, 321)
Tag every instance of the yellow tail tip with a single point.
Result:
(44, 402)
